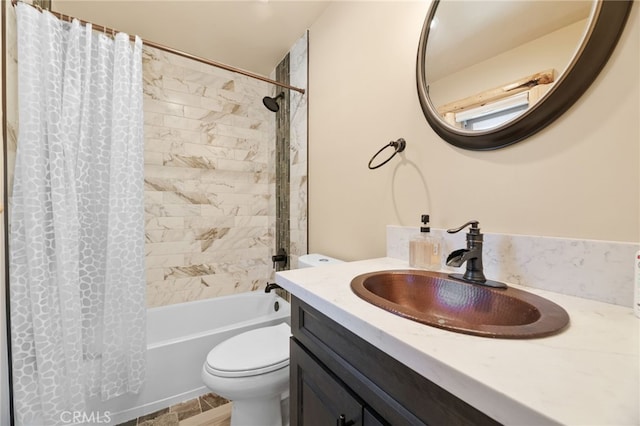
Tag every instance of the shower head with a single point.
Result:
(272, 103)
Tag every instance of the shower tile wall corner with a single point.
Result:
(298, 56)
(209, 197)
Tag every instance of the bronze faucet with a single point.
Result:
(473, 256)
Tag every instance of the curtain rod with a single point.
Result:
(171, 50)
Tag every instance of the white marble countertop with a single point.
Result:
(586, 375)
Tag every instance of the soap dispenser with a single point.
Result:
(424, 250)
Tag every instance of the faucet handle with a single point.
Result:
(474, 228)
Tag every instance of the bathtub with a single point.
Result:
(179, 337)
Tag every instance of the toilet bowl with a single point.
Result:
(252, 370)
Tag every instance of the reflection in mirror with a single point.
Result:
(481, 53)
(495, 107)
(491, 73)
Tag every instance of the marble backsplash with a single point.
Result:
(597, 270)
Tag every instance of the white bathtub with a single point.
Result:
(179, 338)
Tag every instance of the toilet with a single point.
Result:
(314, 259)
(251, 369)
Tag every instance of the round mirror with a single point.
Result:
(491, 73)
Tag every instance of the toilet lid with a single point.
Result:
(251, 353)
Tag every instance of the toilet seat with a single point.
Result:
(251, 353)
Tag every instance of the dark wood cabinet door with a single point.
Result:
(318, 398)
(370, 419)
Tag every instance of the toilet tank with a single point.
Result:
(315, 259)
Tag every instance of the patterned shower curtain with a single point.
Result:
(77, 284)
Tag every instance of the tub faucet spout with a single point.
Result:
(271, 286)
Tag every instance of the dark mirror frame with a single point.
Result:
(609, 21)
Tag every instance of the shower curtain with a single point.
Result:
(77, 284)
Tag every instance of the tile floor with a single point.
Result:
(207, 410)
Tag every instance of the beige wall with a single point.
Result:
(578, 178)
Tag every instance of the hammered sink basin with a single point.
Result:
(435, 299)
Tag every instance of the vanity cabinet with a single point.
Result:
(324, 399)
(337, 378)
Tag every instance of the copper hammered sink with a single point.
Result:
(435, 299)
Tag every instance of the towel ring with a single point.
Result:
(399, 146)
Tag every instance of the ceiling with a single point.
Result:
(253, 35)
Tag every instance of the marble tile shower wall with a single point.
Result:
(209, 173)
(11, 90)
(209, 191)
